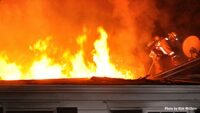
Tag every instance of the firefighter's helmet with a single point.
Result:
(172, 36)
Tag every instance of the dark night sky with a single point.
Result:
(183, 16)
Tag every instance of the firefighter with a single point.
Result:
(156, 55)
(173, 42)
(161, 49)
(170, 47)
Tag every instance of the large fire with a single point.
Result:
(71, 66)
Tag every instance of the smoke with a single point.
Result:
(129, 23)
(181, 16)
(21, 23)
(136, 23)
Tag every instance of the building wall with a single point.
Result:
(98, 98)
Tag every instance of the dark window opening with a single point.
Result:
(126, 111)
(67, 110)
(1, 110)
(153, 112)
(166, 112)
(197, 111)
(180, 112)
(29, 111)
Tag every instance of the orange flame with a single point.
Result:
(8, 70)
(80, 69)
(102, 59)
(72, 66)
(45, 69)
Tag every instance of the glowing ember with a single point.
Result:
(73, 66)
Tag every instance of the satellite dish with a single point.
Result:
(191, 46)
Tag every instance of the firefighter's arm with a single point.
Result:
(167, 48)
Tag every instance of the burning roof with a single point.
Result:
(47, 39)
(45, 66)
(185, 74)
